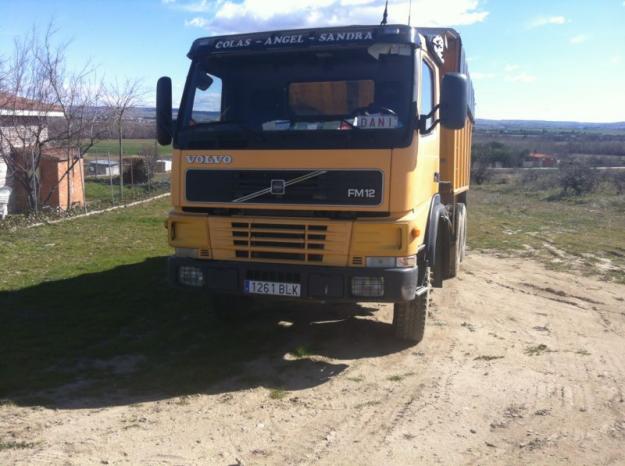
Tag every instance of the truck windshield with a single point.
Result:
(344, 98)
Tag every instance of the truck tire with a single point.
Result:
(409, 318)
(458, 245)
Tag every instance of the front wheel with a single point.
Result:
(409, 318)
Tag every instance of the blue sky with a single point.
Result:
(530, 59)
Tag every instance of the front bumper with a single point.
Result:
(317, 283)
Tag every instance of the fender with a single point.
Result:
(434, 255)
(438, 212)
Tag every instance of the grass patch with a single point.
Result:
(277, 394)
(487, 358)
(399, 377)
(129, 147)
(356, 379)
(302, 351)
(99, 193)
(15, 445)
(585, 233)
(367, 404)
(537, 350)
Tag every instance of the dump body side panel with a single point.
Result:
(456, 156)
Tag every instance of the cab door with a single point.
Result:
(428, 157)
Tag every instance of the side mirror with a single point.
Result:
(453, 109)
(203, 81)
(164, 123)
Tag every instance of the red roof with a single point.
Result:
(16, 103)
(538, 155)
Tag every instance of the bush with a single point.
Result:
(577, 178)
(538, 180)
(480, 173)
(495, 152)
(135, 171)
(618, 179)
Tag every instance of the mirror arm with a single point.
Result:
(431, 114)
(431, 128)
(424, 118)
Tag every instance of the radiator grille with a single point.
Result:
(289, 242)
(280, 240)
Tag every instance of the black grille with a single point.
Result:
(325, 187)
(273, 276)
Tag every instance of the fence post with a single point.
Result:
(81, 162)
(108, 154)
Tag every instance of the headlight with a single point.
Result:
(388, 262)
(371, 287)
(190, 276)
(186, 252)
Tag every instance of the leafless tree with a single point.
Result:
(37, 89)
(120, 98)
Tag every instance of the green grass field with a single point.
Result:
(130, 147)
(583, 234)
(80, 296)
(99, 193)
(86, 312)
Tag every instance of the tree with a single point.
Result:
(120, 98)
(577, 178)
(35, 90)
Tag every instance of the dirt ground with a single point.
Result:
(519, 365)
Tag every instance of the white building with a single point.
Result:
(103, 168)
(163, 166)
(22, 122)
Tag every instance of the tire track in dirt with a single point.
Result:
(511, 371)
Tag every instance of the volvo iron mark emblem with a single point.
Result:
(278, 187)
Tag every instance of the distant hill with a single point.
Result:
(549, 125)
(149, 113)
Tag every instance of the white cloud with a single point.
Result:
(578, 39)
(478, 76)
(511, 68)
(168, 2)
(521, 77)
(547, 20)
(197, 22)
(616, 60)
(230, 16)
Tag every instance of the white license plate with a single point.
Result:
(272, 288)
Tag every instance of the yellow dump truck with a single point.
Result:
(329, 164)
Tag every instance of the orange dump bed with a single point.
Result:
(455, 150)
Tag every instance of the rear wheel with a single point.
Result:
(458, 245)
(409, 318)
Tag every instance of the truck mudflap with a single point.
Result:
(343, 284)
